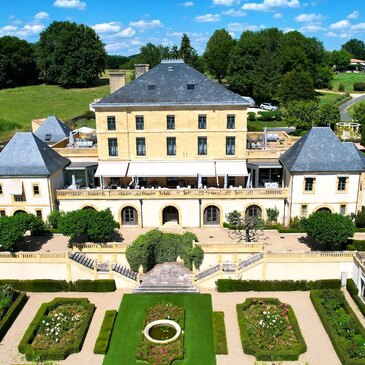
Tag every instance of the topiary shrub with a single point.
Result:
(359, 86)
(251, 116)
(102, 342)
(341, 87)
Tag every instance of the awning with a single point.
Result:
(81, 165)
(231, 167)
(272, 164)
(171, 168)
(112, 169)
(14, 187)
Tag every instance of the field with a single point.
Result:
(347, 79)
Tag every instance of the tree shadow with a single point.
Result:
(311, 243)
(32, 243)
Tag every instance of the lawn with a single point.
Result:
(351, 109)
(198, 340)
(259, 126)
(325, 98)
(347, 79)
(22, 104)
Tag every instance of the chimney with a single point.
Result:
(116, 80)
(141, 69)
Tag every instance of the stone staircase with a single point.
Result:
(82, 259)
(122, 270)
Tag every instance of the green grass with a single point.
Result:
(325, 98)
(198, 341)
(351, 109)
(220, 337)
(257, 125)
(22, 104)
(347, 79)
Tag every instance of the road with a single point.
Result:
(355, 99)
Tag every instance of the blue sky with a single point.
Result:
(126, 25)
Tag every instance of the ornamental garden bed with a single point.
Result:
(57, 330)
(343, 327)
(162, 354)
(269, 330)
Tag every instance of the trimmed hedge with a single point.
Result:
(353, 291)
(12, 313)
(231, 285)
(291, 230)
(337, 341)
(31, 354)
(359, 86)
(220, 337)
(251, 348)
(353, 245)
(46, 285)
(102, 342)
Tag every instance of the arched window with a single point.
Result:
(170, 215)
(129, 216)
(89, 208)
(20, 212)
(324, 209)
(253, 211)
(212, 215)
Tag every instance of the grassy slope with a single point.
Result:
(325, 98)
(347, 79)
(199, 343)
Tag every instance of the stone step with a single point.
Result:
(169, 290)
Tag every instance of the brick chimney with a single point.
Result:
(116, 80)
(141, 69)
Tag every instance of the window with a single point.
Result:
(141, 146)
(341, 183)
(202, 146)
(113, 147)
(211, 215)
(253, 211)
(2, 213)
(129, 216)
(231, 121)
(202, 122)
(47, 137)
(171, 146)
(170, 119)
(19, 198)
(38, 212)
(151, 87)
(36, 189)
(111, 123)
(230, 145)
(172, 182)
(139, 122)
(190, 86)
(343, 209)
(1, 189)
(309, 183)
(304, 211)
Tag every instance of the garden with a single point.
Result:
(269, 330)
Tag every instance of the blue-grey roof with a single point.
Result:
(321, 151)
(170, 80)
(55, 128)
(27, 155)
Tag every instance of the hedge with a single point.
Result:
(291, 230)
(12, 313)
(31, 354)
(220, 336)
(231, 285)
(252, 348)
(353, 245)
(336, 340)
(353, 291)
(359, 86)
(102, 342)
(47, 285)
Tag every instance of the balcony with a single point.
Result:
(165, 193)
(77, 152)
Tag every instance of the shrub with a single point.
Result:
(359, 86)
(54, 218)
(8, 125)
(354, 291)
(230, 285)
(220, 337)
(270, 116)
(359, 218)
(272, 215)
(234, 218)
(102, 342)
(353, 245)
(251, 116)
(298, 223)
(341, 87)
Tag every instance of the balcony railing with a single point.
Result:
(212, 193)
(78, 152)
(257, 154)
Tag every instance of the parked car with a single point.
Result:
(268, 106)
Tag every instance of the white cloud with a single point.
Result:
(338, 35)
(224, 2)
(110, 27)
(340, 24)
(358, 27)
(41, 15)
(188, 3)
(241, 27)
(354, 15)
(127, 32)
(309, 18)
(8, 28)
(177, 34)
(70, 4)
(146, 24)
(208, 18)
(311, 28)
(268, 5)
(234, 12)
(278, 15)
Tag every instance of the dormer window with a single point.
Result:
(151, 87)
(48, 137)
(191, 86)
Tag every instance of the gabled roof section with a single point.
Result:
(172, 82)
(321, 151)
(27, 155)
(52, 130)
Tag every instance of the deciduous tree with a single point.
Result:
(356, 47)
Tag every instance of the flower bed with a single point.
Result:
(269, 330)
(343, 327)
(162, 354)
(58, 329)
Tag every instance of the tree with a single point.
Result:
(115, 62)
(356, 47)
(70, 54)
(302, 115)
(217, 52)
(324, 76)
(190, 55)
(339, 59)
(17, 62)
(331, 230)
(328, 114)
(152, 54)
(359, 117)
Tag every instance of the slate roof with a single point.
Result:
(321, 151)
(171, 79)
(53, 127)
(27, 155)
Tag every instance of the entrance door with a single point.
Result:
(170, 215)
(211, 215)
(129, 216)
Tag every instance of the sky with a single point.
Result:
(126, 25)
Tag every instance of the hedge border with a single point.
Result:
(48, 285)
(105, 333)
(232, 285)
(31, 354)
(335, 339)
(354, 291)
(12, 313)
(267, 355)
(219, 332)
